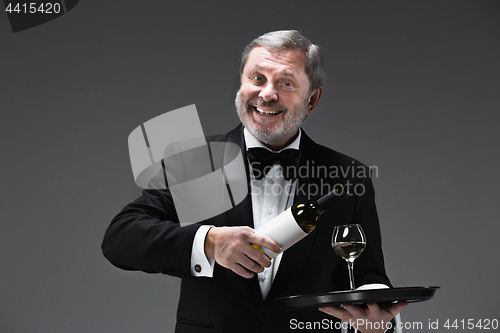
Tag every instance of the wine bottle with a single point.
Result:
(298, 221)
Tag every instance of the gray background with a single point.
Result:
(413, 88)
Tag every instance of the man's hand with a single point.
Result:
(232, 248)
(366, 317)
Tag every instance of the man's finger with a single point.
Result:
(241, 271)
(356, 311)
(396, 308)
(336, 311)
(374, 308)
(259, 257)
(250, 264)
(266, 242)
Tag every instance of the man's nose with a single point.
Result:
(268, 93)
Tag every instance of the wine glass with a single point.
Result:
(348, 241)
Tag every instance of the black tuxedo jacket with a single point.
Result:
(146, 236)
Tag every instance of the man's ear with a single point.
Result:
(314, 99)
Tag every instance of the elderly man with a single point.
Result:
(227, 284)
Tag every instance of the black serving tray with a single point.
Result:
(410, 294)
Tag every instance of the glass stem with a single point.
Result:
(350, 265)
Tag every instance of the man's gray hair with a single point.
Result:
(291, 40)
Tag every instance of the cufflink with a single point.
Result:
(197, 268)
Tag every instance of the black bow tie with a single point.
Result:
(262, 161)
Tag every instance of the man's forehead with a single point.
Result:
(292, 60)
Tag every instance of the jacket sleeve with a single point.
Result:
(146, 235)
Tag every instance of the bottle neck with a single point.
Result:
(331, 198)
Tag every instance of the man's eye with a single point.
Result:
(287, 84)
(258, 78)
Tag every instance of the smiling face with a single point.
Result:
(274, 98)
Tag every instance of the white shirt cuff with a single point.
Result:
(200, 265)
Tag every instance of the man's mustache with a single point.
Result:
(272, 104)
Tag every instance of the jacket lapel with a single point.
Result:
(241, 214)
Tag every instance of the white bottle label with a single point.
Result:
(283, 230)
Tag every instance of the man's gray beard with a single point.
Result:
(269, 135)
